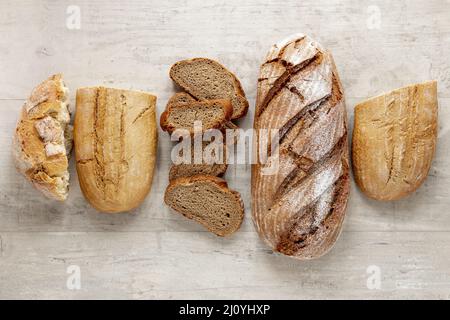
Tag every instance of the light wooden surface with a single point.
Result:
(154, 253)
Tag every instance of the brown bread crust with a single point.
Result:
(300, 209)
(394, 140)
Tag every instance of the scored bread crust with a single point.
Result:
(42, 140)
(239, 110)
(116, 140)
(219, 183)
(394, 141)
(227, 108)
(299, 209)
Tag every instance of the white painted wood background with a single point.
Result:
(378, 45)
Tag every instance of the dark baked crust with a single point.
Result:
(300, 209)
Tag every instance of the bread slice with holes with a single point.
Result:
(43, 139)
(212, 114)
(206, 79)
(208, 201)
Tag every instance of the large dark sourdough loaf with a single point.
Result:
(299, 210)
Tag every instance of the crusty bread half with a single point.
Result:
(208, 201)
(206, 79)
(299, 208)
(394, 140)
(212, 114)
(116, 138)
(43, 138)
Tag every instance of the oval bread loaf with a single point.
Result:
(115, 138)
(394, 140)
(299, 208)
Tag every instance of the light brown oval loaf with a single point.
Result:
(213, 114)
(394, 140)
(206, 79)
(208, 201)
(43, 139)
(299, 208)
(116, 139)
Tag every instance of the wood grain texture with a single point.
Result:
(154, 253)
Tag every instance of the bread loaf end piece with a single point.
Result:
(299, 208)
(208, 201)
(206, 79)
(43, 139)
(394, 141)
(115, 137)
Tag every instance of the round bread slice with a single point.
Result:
(43, 139)
(212, 114)
(207, 200)
(207, 79)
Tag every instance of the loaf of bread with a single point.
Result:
(206, 79)
(43, 138)
(394, 139)
(207, 200)
(115, 138)
(299, 208)
(211, 114)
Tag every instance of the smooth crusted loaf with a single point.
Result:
(394, 140)
(299, 208)
(115, 137)
(43, 139)
(208, 201)
(212, 114)
(206, 79)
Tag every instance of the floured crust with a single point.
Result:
(115, 138)
(217, 183)
(394, 140)
(299, 209)
(42, 140)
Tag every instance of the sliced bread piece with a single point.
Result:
(213, 114)
(207, 200)
(207, 79)
(205, 168)
(184, 98)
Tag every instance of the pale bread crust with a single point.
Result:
(299, 210)
(394, 141)
(115, 136)
(47, 171)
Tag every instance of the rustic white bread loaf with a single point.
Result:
(43, 138)
(394, 139)
(299, 209)
(115, 138)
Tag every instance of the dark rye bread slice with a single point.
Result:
(208, 201)
(204, 168)
(207, 79)
(212, 113)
